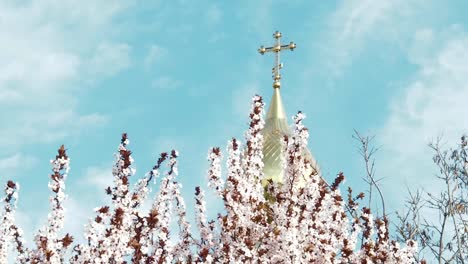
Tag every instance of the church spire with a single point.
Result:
(276, 124)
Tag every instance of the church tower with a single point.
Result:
(276, 123)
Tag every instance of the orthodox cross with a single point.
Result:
(277, 48)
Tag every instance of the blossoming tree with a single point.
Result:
(263, 221)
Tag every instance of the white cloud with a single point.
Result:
(358, 23)
(242, 98)
(433, 101)
(25, 221)
(16, 162)
(169, 143)
(9, 96)
(165, 83)
(213, 15)
(91, 120)
(433, 104)
(243, 91)
(155, 54)
(46, 126)
(77, 215)
(422, 46)
(49, 50)
(99, 178)
(110, 58)
(360, 17)
(10, 162)
(257, 15)
(350, 25)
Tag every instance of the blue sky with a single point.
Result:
(180, 74)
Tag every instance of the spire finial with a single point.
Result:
(277, 48)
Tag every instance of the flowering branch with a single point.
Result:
(8, 229)
(303, 219)
(50, 248)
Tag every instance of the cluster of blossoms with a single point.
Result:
(8, 230)
(49, 247)
(301, 220)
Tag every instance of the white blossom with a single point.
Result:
(301, 220)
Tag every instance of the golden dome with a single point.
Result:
(276, 126)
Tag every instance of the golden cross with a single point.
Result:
(277, 48)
